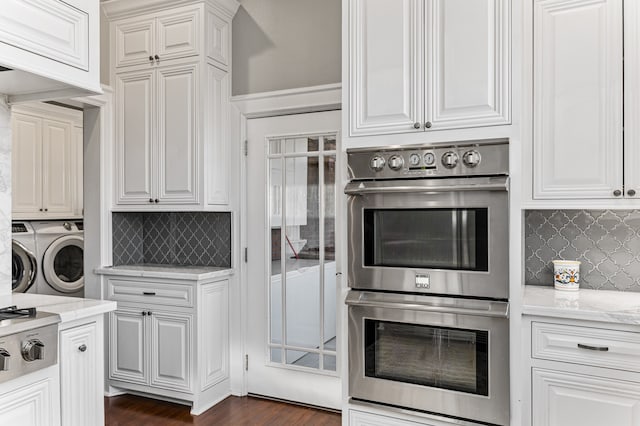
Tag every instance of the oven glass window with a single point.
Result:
(446, 358)
(427, 238)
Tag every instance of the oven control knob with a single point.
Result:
(377, 163)
(429, 159)
(33, 350)
(396, 162)
(5, 356)
(471, 158)
(449, 159)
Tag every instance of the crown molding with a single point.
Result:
(118, 8)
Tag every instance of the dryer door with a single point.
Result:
(63, 264)
(23, 268)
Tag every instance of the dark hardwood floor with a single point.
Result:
(132, 410)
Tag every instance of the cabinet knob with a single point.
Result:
(427, 124)
(617, 193)
(631, 192)
(157, 57)
(151, 58)
(144, 313)
(151, 200)
(416, 125)
(46, 210)
(41, 210)
(157, 201)
(149, 313)
(82, 348)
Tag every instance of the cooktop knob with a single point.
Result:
(377, 163)
(5, 356)
(471, 158)
(33, 350)
(449, 159)
(414, 159)
(396, 162)
(429, 159)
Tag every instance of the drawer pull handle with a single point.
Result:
(149, 293)
(593, 348)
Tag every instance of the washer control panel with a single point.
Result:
(464, 159)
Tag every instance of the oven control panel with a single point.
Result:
(486, 158)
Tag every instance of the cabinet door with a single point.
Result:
(30, 405)
(467, 63)
(135, 41)
(386, 71)
(26, 160)
(577, 133)
(134, 134)
(213, 336)
(561, 399)
(58, 169)
(78, 161)
(178, 34)
(128, 346)
(178, 137)
(631, 98)
(171, 350)
(80, 387)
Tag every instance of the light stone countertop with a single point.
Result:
(593, 305)
(176, 272)
(65, 309)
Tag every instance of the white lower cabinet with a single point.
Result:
(81, 376)
(32, 404)
(582, 373)
(165, 342)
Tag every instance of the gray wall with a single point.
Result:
(286, 44)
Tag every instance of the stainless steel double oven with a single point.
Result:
(428, 269)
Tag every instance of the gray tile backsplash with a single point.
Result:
(184, 238)
(607, 242)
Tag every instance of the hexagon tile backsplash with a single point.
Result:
(607, 242)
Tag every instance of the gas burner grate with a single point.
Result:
(11, 312)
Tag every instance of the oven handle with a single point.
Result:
(484, 308)
(382, 187)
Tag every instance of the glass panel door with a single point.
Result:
(302, 302)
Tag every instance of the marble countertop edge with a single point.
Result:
(178, 272)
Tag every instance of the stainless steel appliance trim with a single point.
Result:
(413, 147)
(486, 308)
(499, 183)
(356, 403)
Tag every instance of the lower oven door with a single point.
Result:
(447, 356)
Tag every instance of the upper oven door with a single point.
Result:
(439, 236)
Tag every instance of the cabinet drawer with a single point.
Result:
(586, 345)
(149, 292)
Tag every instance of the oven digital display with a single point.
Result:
(442, 238)
(446, 358)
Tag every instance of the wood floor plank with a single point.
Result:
(129, 410)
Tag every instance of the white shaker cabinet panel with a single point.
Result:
(30, 405)
(171, 350)
(78, 161)
(578, 98)
(58, 167)
(178, 34)
(632, 98)
(80, 375)
(386, 66)
(26, 155)
(468, 63)
(561, 399)
(214, 339)
(216, 136)
(134, 41)
(218, 36)
(128, 346)
(134, 133)
(177, 142)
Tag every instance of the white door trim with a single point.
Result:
(259, 105)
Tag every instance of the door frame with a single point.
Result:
(262, 105)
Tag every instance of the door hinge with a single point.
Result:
(246, 147)
(246, 255)
(246, 362)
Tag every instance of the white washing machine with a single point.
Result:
(60, 255)
(24, 264)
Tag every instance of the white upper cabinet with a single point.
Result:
(172, 103)
(631, 98)
(468, 63)
(46, 162)
(386, 66)
(428, 65)
(578, 99)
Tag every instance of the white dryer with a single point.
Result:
(24, 265)
(60, 254)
